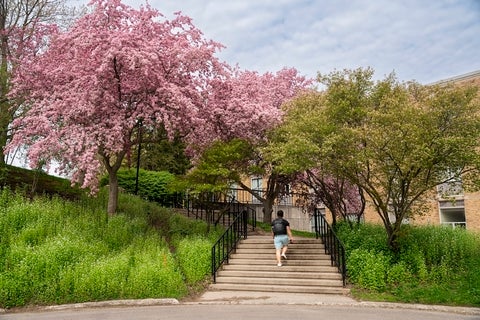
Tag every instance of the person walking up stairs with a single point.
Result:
(282, 236)
(307, 270)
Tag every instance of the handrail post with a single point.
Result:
(333, 245)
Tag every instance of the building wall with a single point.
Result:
(472, 211)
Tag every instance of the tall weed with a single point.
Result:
(435, 264)
(194, 257)
(56, 251)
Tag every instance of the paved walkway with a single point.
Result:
(246, 298)
(269, 298)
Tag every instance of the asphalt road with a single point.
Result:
(235, 305)
(238, 312)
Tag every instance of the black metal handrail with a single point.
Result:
(332, 243)
(217, 208)
(228, 241)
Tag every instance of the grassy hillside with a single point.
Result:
(55, 250)
(32, 182)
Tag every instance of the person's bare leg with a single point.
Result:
(279, 257)
(284, 250)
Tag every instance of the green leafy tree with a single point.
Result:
(158, 152)
(226, 163)
(396, 141)
(342, 198)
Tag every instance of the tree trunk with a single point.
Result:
(113, 180)
(112, 193)
(268, 209)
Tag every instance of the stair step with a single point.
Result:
(269, 240)
(276, 288)
(271, 255)
(272, 262)
(281, 281)
(279, 274)
(285, 268)
(253, 267)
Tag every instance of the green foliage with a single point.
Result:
(222, 164)
(398, 273)
(434, 264)
(362, 236)
(193, 254)
(368, 269)
(56, 251)
(159, 153)
(394, 140)
(152, 185)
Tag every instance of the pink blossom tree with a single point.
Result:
(115, 67)
(246, 104)
(243, 108)
(343, 199)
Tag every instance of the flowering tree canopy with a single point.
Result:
(22, 24)
(245, 105)
(243, 108)
(115, 67)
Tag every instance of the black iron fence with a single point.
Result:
(218, 208)
(227, 243)
(333, 246)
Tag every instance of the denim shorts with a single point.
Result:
(280, 241)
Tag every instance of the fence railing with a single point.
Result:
(333, 246)
(218, 208)
(228, 241)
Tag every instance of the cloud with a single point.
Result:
(423, 40)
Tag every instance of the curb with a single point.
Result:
(102, 304)
(114, 303)
(327, 300)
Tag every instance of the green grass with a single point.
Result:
(435, 265)
(54, 251)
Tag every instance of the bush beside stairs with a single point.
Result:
(253, 267)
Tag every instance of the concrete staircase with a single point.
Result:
(253, 268)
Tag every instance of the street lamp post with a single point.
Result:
(138, 154)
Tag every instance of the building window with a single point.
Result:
(285, 198)
(451, 189)
(452, 213)
(233, 192)
(257, 188)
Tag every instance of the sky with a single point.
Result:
(426, 41)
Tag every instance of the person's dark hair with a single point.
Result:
(280, 213)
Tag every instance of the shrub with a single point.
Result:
(194, 257)
(366, 236)
(152, 185)
(368, 269)
(398, 273)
